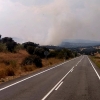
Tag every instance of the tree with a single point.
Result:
(0, 36)
(10, 43)
(11, 46)
(7, 39)
(39, 52)
(30, 50)
(3, 47)
(52, 54)
(26, 44)
(32, 59)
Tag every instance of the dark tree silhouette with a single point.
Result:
(0, 36)
(10, 43)
(26, 44)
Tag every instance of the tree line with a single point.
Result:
(36, 52)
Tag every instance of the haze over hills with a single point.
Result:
(69, 43)
(19, 40)
(79, 43)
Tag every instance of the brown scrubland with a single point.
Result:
(10, 65)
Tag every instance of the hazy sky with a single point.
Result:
(50, 21)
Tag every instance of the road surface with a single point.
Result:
(76, 79)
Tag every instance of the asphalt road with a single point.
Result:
(76, 79)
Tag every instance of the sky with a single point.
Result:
(50, 21)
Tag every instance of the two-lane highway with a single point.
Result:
(76, 79)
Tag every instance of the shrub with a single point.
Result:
(30, 50)
(13, 63)
(39, 52)
(26, 44)
(11, 46)
(52, 54)
(2, 73)
(3, 47)
(18, 47)
(28, 68)
(10, 43)
(10, 71)
(60, 55)
(6, 62)
(34, 59)
(50, 63)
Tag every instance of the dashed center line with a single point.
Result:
(59, 86)
(34, 75)
(56, 87)
(72, 70)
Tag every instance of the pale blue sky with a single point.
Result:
(33, 2)
(50, 21)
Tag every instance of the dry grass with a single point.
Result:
(51, 61)
(10, 67)
(96, 59)
(18, 57)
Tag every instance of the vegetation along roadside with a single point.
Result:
(20, 59)
(96, 59)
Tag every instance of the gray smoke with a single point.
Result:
(50, 21)
(79, 22)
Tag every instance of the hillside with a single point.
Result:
(79, 43)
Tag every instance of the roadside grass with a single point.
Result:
(10, 65)
(96, 60)
(51, 61)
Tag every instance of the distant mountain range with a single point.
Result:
(70, 43)
(19, 40)
(79, 43)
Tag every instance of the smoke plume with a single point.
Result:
(73, 22)
(50, 21)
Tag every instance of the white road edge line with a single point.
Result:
(35, 75)
(58, 83)
(59, 86)
(94, 69)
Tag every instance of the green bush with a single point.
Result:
(33, 59)
(10, 43)
(52, 54)
(26, 44)
(60, 55)
(18, 47)
(3, 47)
(39, 52)
(30, 50)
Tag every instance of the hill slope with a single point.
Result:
(79, 43)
